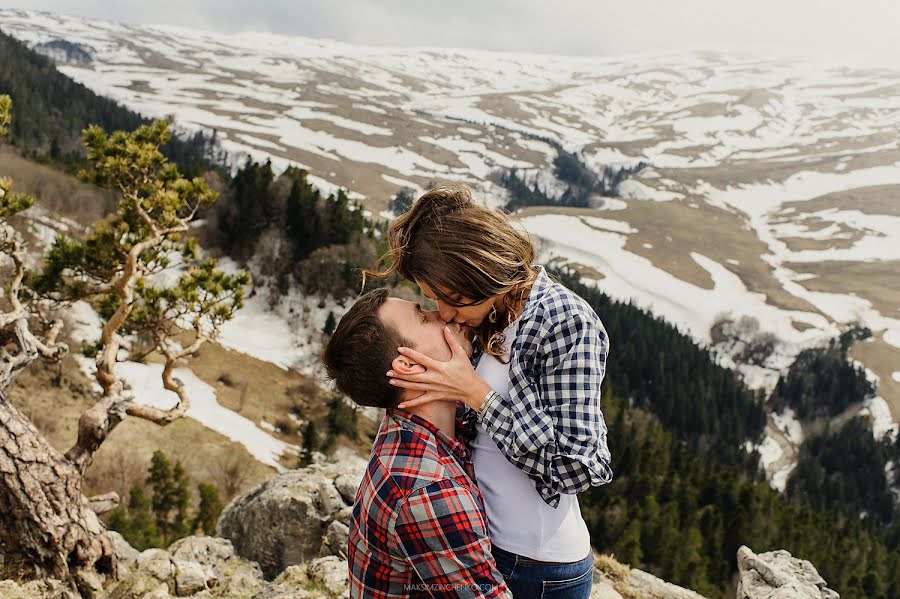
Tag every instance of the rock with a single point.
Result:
(284, 520)
(603, 589)
(202, 567)
(193, 577)
(347, 485)
(288, 585)
(89, 583)
(139, 584)
(48, 588)
(160, 592)
(336, 538)
(778, 575)
(330, 573)
(344, 515)
(647, 586)
(208, 551)
(156, 563)
(238, 578)
(126, 555)
(614, 580)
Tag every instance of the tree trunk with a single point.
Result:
(47, 529)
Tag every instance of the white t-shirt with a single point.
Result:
(518, 519)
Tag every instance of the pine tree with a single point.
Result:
(136, 522)
(310, 444)
(171, 497)
(628, 547)
(209, 509)
(330, 324)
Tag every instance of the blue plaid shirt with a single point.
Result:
(551, 427)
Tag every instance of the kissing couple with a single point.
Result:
(492, 420)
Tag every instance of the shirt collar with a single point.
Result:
(416, 423)
(541, 282)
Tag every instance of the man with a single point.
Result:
(418, 526)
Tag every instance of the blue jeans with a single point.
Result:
(532, 579)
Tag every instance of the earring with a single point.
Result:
(492, 317)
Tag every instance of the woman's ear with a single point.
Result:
(403, 365)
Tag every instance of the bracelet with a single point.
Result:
(491, 397)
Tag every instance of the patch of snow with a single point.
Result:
(83, 324)
(769, 452)
(635, 190)
(788, 424)
(612, 204)
(616, 226)
(891, 336)
(780, 478)
(146, 385)
(632, 277)
(882, 421)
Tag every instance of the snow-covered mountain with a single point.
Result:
(773, 189)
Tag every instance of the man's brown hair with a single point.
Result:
(361, 351)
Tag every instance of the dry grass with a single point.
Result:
(877, 282)
(883, 359)
(617, 574)
(611, 567)
(876, 199)
(54, 190)
(675, 230)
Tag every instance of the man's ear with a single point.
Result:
(404, 365)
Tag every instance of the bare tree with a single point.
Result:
(46, 526)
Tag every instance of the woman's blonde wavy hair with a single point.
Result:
(468, 251)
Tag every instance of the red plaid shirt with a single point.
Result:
(418, 527)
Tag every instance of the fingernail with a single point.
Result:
(392, 381)
(401, 406)
(390, 373)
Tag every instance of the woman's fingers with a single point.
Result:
(454, 344)
(423, 399)
(410, 385)
(419, 357)
(420, 377)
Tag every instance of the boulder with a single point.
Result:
(614, 580)
(208, 551)
(778, 575)
(286, 520)
(336, 538)
(331, 574)
(126, 555)
(192, 566)
(193, 577)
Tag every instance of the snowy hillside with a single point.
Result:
(773, 189)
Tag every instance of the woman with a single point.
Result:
(541, 356)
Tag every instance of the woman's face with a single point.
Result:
(469, 316)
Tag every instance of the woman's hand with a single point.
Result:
(454, 380)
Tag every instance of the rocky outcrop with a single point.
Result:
(36, 589)
(287, 539)
(778, 575)
(295, 516)
(613, 580)
(208, 568)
